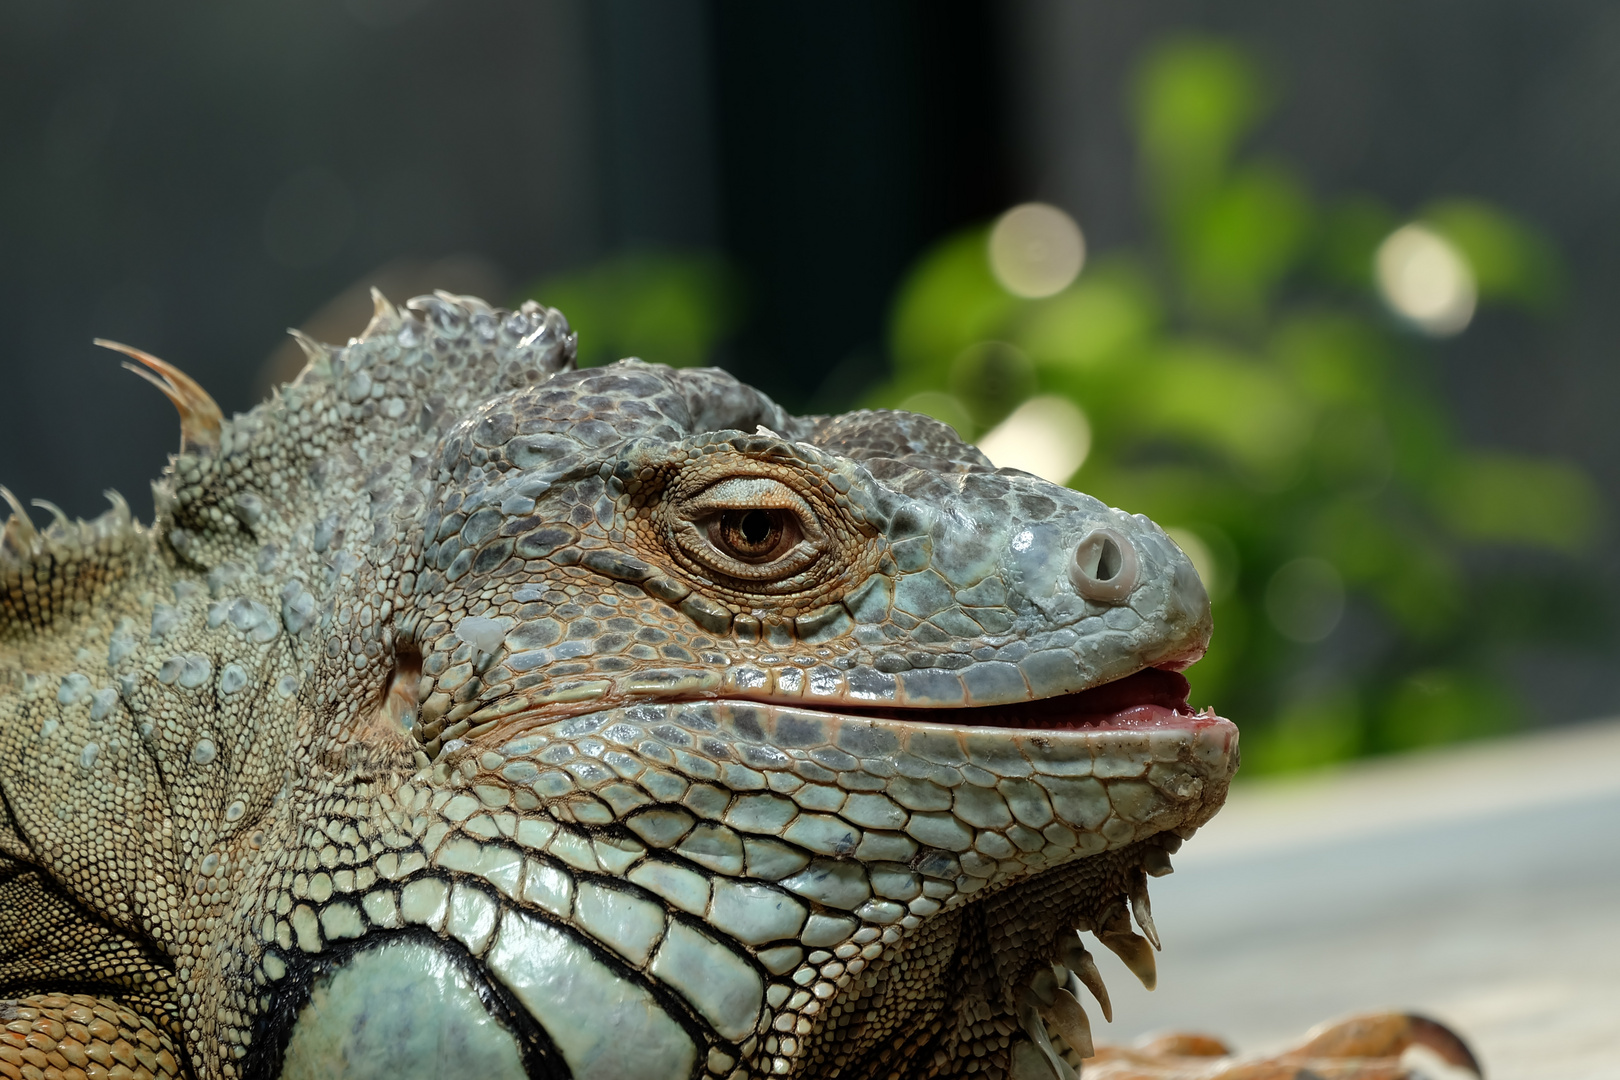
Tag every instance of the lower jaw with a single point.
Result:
(1055, 798)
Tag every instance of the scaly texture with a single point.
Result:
(464, 712)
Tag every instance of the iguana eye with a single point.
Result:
(753, 536)
(753, 529)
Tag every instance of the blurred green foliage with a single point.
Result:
(669, 307)
(1246, 390)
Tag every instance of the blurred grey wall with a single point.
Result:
(193, 178)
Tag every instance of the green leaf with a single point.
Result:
(1511, 499)
(1238, 242)
(1413, 577)
(1319, 727)
(1350, 232)
(1510, 259)
(664, 307)
(1097, 323)
(1198, 393)
(1445, 705)
(1193, 100)
(991, 378)
(948, 301)
(1334, 358)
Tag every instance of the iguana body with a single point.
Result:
(462, 713)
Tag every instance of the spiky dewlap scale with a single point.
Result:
(463, 711)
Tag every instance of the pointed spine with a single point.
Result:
(384, 316)
(1068, 1016)
(314, 351)
(19, 515)
(1083, 969)
(200, 418)
(18, 537)
(1114, 931)
(117, 520)
(59, 520)
(474, 304)
(1135, 953)
(1143, 910)
(1029, 1018)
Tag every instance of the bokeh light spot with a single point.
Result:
(1426, 280)
(1203, 559)
(942, 407)
(1305, 599)
(990, 378)
(1036, 250)
(1048, 436)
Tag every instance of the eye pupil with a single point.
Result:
(750, 534)
(756, 526)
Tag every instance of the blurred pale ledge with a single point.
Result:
(1046, 435)
(1477, 884)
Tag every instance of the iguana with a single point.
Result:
(462, 713)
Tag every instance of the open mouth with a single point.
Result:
(1151, 698)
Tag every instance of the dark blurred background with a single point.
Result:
(194, 178)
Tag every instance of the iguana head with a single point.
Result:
(614, 723)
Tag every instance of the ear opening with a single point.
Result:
(398, 706)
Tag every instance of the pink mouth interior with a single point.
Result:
(1151, 698)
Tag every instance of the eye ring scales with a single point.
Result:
(1105, 566)
(752, 529)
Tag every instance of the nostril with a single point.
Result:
(1104, 567)
(1109, 560)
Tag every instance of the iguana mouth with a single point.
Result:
(1151, 698)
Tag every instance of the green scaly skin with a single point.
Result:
(463, 711)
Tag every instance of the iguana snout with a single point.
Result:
(578, 556)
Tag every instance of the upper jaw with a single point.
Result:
(947, 615)
(1043, 656)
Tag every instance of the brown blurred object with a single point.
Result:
(1375, 1046)
(346, 314)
